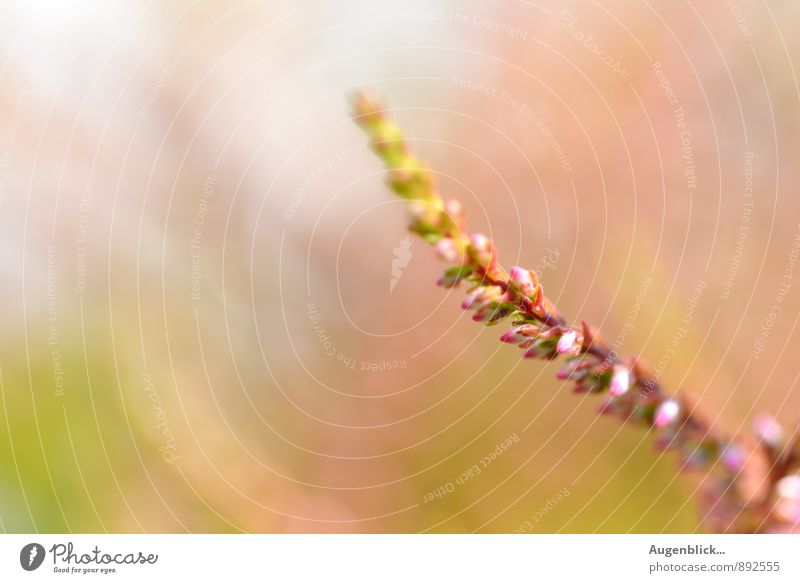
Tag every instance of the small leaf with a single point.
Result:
(493, 313)
(452, 276)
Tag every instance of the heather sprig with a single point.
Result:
(735, 497)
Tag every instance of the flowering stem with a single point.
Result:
(635, 395)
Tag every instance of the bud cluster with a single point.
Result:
(632, 391)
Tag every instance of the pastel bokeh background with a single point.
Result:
(202, 330)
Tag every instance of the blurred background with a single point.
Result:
(213, 321)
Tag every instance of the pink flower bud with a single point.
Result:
(733, 458)
(620, 381)
(606, 408)
(788, 487)
(483, 314)
(666, 413)
(453, 207)
(513, 337)
(567, 344)
(481, 296)
(446, 249)
(768, 430)
(570, 370)
(481, 250)
(455, 215)
(540, 348)
(567, 371)
(523, 335)
(480, 243)
(492, 313)
(522, 280)
(472, 299)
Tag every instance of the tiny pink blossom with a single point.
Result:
(453, 208)
(480, 243)
(473, 298)
(620, 381)
(481, 296)
(606, 407)
(512, 337)
(788, 487)
(567, 344)
(733, 458)
(768, 429)
(480, 250)
(522, 280)
(666, 413)
(446, 249)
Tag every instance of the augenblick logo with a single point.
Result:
(31, 556)
(686, 550)
(67, 560)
